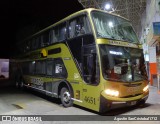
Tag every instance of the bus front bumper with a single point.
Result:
(108, 102)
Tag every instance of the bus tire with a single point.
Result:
(141, 103)
(65, 96)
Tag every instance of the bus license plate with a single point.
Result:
(131, 103)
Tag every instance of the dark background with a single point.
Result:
(20, 18)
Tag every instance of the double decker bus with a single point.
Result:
(91, 58)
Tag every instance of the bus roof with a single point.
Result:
(88, 10)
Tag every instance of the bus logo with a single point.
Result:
(133, 89)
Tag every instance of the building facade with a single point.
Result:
(150, 36)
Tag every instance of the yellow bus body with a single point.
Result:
(93, 97)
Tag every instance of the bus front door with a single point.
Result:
(90, 69)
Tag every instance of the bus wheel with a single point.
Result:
(66, 96)
(141, 103)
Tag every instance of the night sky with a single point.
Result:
(19, 18)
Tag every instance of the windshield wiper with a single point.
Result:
(127, 39)
(106, 36)
(137, 74)
(122, 64)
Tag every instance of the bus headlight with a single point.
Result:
(112, 92)
(145, 88)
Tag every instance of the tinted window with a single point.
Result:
(45, 40)
(40, 67)
(52, 36)
(60, 32)
(32, 67)
(50, 67)
(78, 26)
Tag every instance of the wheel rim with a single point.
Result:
(66, 97)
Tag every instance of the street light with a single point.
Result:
(107, 6)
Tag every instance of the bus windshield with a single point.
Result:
(122, 63)
(113, 27)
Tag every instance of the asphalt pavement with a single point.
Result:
(17, 102)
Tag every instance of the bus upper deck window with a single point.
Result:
(52, 36)
(78, 26)
(59, 33)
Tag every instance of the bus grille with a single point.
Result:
(131, 96)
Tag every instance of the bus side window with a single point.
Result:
(59, 68)
(40, 67)
(52, 36)
(45, 40)
(60, 32)
(49, 67)
(32, 67)
(78, 26)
